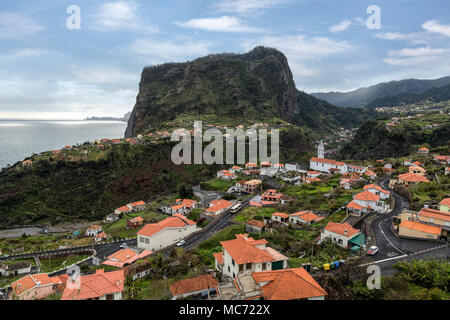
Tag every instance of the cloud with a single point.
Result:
(14, 25)
(103, 75)
(22, 53)
(159, 51)
(434, 26)
(247, 7)
(419, 57)
(413, 38)
(342, 26)
(219, 24)
(120, 15)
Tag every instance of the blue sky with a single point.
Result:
(48, 71)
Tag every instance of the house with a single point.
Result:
(411, 178)
(370, 174)
(280, 217)
(417, 170)
(342, 234)
(442, 159)
(156, 236)
(188, 203)
(93, 230)
(435, 217)
(244, 254)
(228, 176)
(291, 167)
(193, 287)
(415, 229)
(271, 195)
(99, 286)
(345, 183)
(27, 163)
(265, 164)
(101, 236)
(221, 173)
(135, 222)
(313, 174)
(354, 168)
(304, 217)
(136, 206)
(216, 207)
(288, 284)
(251, 165)
(366, 201)
(255, 226)
(35, 287)
(122, 210)
(444, 205)
(235, 169)
(383, 194)
(125, 257)
(423, 150)
(17, 268)
(279, 166)
(252, 186)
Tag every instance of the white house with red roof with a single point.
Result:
(156, 236)
(320, 163)
(384, 194)
(367, 201)
(246, 255)
(304, 217)
(125, 257)
(339, 233)
(122, 210)
(35, 287)
(99, 286)
(136, 206)
(217, 207)
(93, 230)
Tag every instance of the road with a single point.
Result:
(214, 226)
(388, 244)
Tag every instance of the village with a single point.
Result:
(256, 231)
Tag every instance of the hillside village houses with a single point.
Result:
(246, 255)
(156, 236)
(296, 218)
(368, 200)
(18, 268)
(411, 178)
(35, 287)
(125, 257)
(182, 206)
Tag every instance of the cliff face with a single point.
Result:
(256, 85)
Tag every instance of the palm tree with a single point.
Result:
(131, 289)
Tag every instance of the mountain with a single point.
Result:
(434, 95)
(364, 96)
(124, 118)
(256, 86)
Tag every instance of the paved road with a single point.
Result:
(213, 227)
(388, 244)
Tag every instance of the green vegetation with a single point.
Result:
(415, 280)
(55, 263)
(119, 228)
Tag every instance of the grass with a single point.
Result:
(52, 264)
(218, 185)
(119, 228)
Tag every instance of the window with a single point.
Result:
(264, 266)
(232, 261)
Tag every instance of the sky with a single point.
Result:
(56, 66)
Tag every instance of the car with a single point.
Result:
(179, 244)
(372, 250)
(124, 246)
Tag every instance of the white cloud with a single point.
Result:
(419, 57)
(157, 51)
(342, 26)
(219, 24)
(247, 7)
(434, 26)
(22, 53)
(112, 16)
(414, 38)
(103, 75)
(14, 25)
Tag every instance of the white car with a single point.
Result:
(179, 244)
(372, 250)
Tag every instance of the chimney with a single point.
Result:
(345, 232)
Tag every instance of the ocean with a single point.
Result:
(20, 139)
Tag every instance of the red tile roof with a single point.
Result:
(306, 216)
(199, 283)
(96, 285)
(218, 205)
(328, 161)
(341, 228)
(374, 186)
(288, 284)
(435, 214)
(422, 227)
(412, 177)
(280, 214)
(445, 202)
(256, 223)
(175, 221)
(219, 257)
(243, 249)
(125, 256)
(367, 196)
(33, 280)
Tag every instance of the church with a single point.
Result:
(320, 163)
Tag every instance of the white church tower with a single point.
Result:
(321, 150)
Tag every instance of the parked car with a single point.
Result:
(372, 250)
(179, 244)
